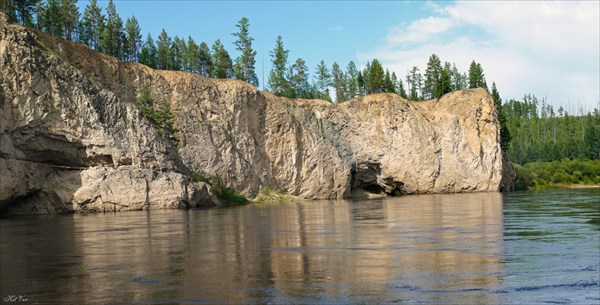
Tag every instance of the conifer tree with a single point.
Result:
(299, 79)
(432, 87)
(414, 80)
(360, 81)
(388, 84)
(134, 39)
(205, 63)
(277, 81)
(183, 49)
(52, 22)
(148, 53)
(338, 79)
(376, 79)
(193, 54)
(70, 18)
(352, 80)
(476, 76)
(504, 132)
(163, 45)
(223, 66)
(92, 25)
(323, 80)
(400, 89)
(112, 37)
(244, 68)
(19, 11)
(176, 54)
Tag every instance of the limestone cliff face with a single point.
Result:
(72, 140)
(68, 143)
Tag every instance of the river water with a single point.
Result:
(488, 248)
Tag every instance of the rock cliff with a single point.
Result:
(73, 139)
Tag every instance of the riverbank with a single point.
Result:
(562, 174)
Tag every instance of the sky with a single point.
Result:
(550, 49)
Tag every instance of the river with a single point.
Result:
(532, 247)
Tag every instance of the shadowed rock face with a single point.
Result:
(72, 140)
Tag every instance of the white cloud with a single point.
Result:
(551, 49)
(336, 28)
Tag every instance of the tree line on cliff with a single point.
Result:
(106, 32)
(530, 129)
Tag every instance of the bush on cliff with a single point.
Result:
(158, 113)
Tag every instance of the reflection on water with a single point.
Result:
(451, 249)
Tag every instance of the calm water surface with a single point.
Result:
(518, 248)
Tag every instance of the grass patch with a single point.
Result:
(226, 195)
(268, 195)
(557, 174)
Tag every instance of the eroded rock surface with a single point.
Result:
(73, 140)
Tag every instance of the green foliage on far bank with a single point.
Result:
(538, 133)
(226, 195)
(557, 174)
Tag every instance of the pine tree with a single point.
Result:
(193, 56)
(277, 81)
(245, 62)
(352, 80)
(92, 25)
(113, 36)
(39, 15)
(445, 82)
(592, 135)
(163, 56)
(205, 63)
(432, 88)
(376, 80)
(176, 54)
(360, 81)
(299, 79)
(223, 66)
(394, 80)
(476, 76)
(414, 81)
(70, 18)
(339, 83)
(323, 80)
(52, 18)
(19, 11)
(134, 39)
(400, 88)
(148, 54)
(504, 132)
(183, 49)
(388, 84)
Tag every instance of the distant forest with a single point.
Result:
(531, 129)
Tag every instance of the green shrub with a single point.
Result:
(225, 194)
(158, 113)
(542, 175)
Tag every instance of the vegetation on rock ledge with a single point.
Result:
(225, 194)
(158, 113)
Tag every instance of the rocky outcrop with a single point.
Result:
(70, 144)
(73, 140)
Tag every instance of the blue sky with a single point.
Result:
(550, 49)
